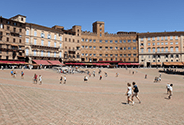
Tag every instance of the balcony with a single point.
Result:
(44, 47)
(39, 55)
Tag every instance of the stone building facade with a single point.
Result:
(98, 46)
(158, 48)
(12, 38)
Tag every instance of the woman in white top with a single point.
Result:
(40, 79)
(129, 93)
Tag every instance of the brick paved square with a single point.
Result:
(100, 102)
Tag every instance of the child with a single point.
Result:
(129, 93)
(40, 79)
(135, 91)
(170, 91)
(22, 74)
(61, 80)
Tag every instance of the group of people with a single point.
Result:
(35, 77)
(131, 92)
(14, 73)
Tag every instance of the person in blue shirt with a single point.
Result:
(12, 73)
(135, 92)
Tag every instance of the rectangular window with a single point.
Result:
(153, 38)
(141, 39)
(134, 48)
(162, 43)
(42, 42)
(94, 54)
(42, 53)
(120, 41)
(124, 55)
(162, 38)
(116, 41)
(116, 47)
(60, 38)
(34, 41)
(134, 41)
(149, 50)
(171, 43)
(129, 48)
(111, 48)
(158, 38)
(176, 43)
(55, 37)
(27, 40)
(48, 43)
(110, 41)
(142, 50)
(158, 43)
(54, 44)
(27, 32)
(94, 40)
(129, 41)
(90, 40)
(171, 37)
(153, 49)
(94, 47)
(148, 38)
(100, 41)
(165, 37)
(90, 47)
(48, 36)
(158, 49)
(149, 44)
(106, 41)
(153, 44)
(60, 45)
(124, 41)
(162, 49)
(54, 54)
(176, 37)
(124, 48)
(166, 43)
(27, 52)
(34, 52)
(48, 53)
(82, 40)
(35, 33)
(176, 49)
(166, 49)
(171, 49)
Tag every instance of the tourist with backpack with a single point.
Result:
(135, 92)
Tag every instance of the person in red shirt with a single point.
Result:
(35, 78)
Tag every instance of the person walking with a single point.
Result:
(85, 78)
(100, 77)
(105, 74)
(64, 80)
(22, 74)
(167, 87)
(40, 79)
(145, 76)
(12, 73)
(129, 93)
(135, 92)
(170, 91)
(35, 78)
(61, 80)
(117, 74)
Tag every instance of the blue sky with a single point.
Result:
(118, 15)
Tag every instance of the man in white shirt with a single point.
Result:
(170, 91)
